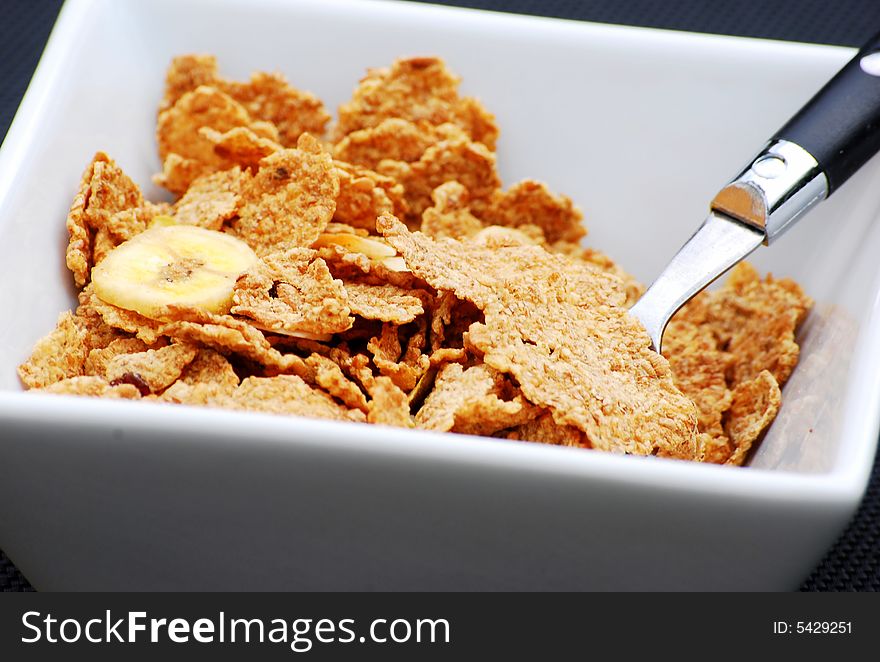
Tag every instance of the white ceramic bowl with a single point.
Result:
(639, 126)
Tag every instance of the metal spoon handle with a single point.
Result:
(814, 153)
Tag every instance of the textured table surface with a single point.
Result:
(853, 563)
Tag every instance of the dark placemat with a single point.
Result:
(853, 564)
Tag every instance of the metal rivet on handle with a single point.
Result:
(870, 64)
(769, 166)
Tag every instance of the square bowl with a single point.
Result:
(639, 126)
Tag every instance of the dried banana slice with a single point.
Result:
(372, 248)
(177, 265)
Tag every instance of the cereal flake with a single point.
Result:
(92, 386)
(415, 89)
(104, 191)
(754, 406)
(57, 356)
(387, 303)
(211, 199)
(290, 200)
(531, 203)
(451, 215)
(389, 405)
(290, 395)
(292, 291)
(151, 371)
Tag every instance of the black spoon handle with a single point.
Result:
(840, 125)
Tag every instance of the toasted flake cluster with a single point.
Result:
(292, 292)
(107, 210)
(731, 351)
(207, 123)
(419, 89)
(290, 200)
(560, 329)
(398, 283)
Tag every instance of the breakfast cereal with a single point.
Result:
(379, 273)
